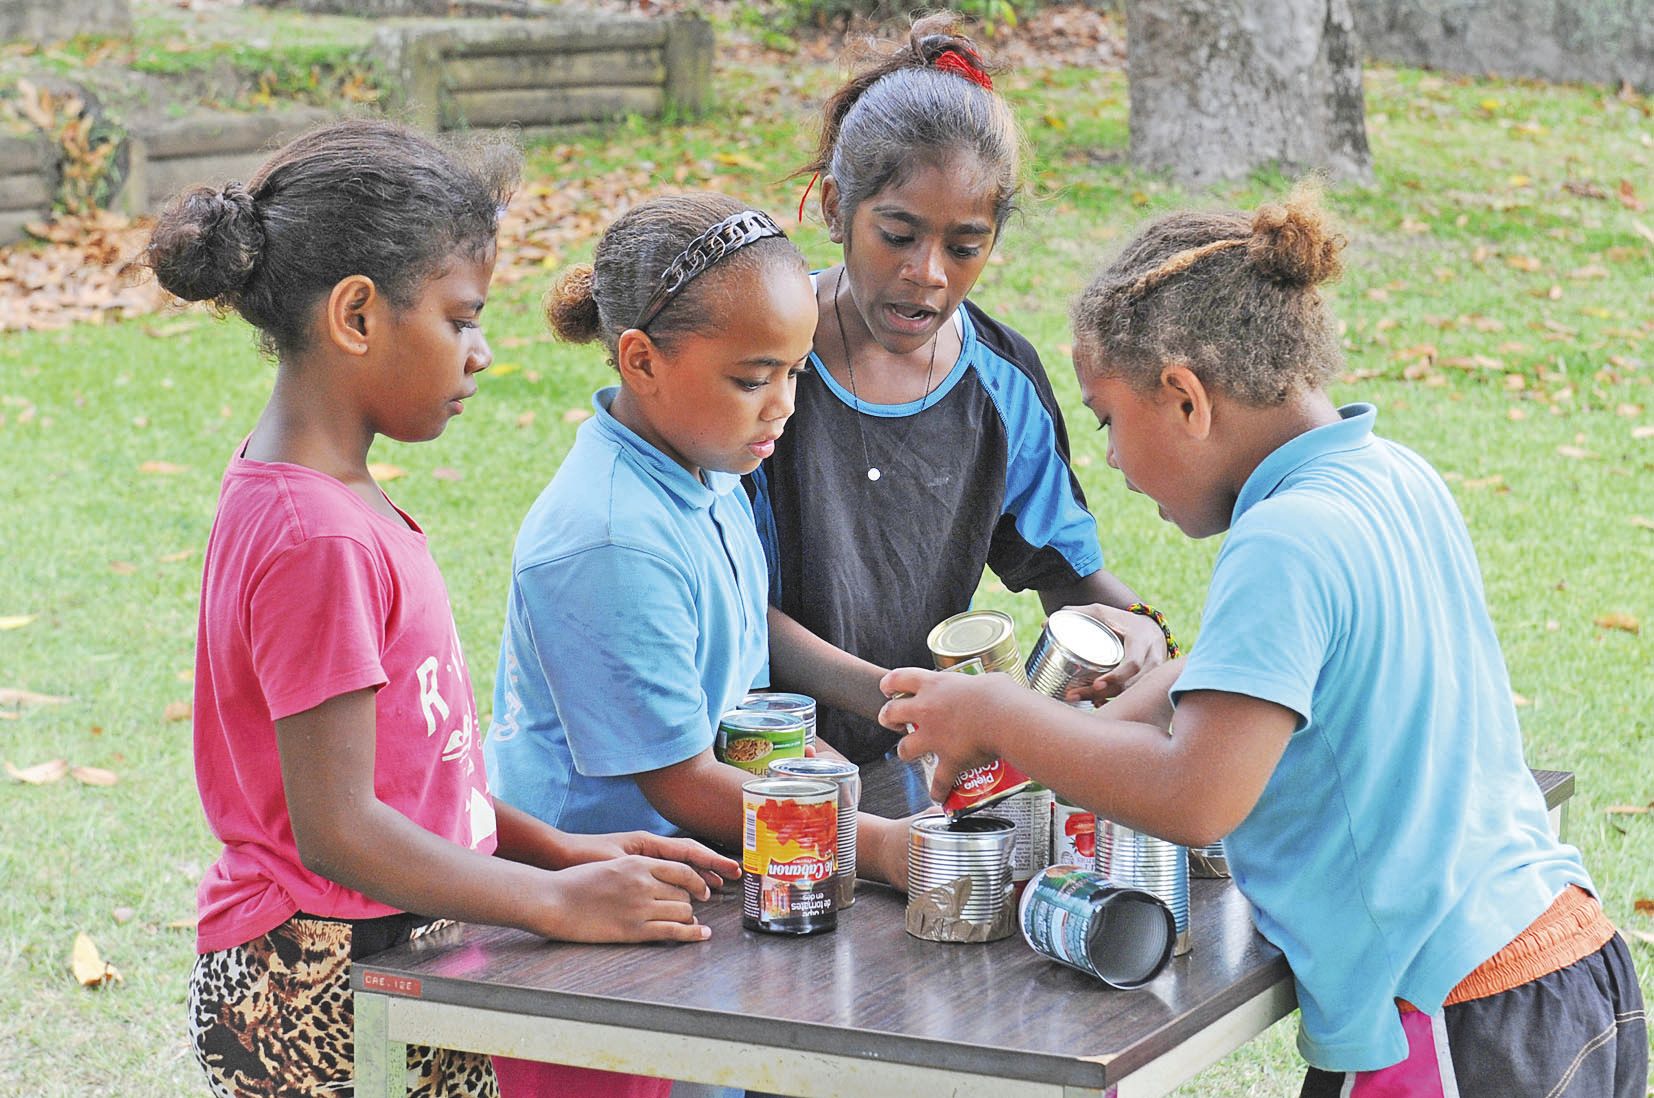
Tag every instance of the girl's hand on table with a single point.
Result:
(626, 899)
(712, 866)
(1145, 649)
(953, 717)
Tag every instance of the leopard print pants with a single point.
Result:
(274, 1017)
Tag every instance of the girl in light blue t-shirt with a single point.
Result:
(1345, 722)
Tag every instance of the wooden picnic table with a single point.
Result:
(861, 1012)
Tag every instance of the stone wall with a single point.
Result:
(541, 75)
(55, 20)
(211, 148)
(28, 179)
(1572, 41)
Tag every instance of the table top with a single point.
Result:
(867, 989)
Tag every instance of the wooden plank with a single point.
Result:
(555, 70)
(550, 106)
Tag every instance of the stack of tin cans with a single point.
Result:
(847, 777)
(959, 882)
(801, 706)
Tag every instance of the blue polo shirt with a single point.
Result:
(636, 618)
(1401, 841)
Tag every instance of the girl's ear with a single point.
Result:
(639, 361)
(830, 209)
(345, 320)
(1182, 389)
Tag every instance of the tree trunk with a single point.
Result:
(1221, 87)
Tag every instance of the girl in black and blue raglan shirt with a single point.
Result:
(926, 442)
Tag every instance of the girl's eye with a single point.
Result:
(894, 240)
(747, 385)
(800, 369)
(967, 252)
(462, 325)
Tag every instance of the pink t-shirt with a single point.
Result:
(310, 593)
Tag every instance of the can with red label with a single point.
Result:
(789, 855)
(982, 786)
(1073, 835)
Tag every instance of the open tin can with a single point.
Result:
(959, 879)
(1072, 650)
(801, 706)
(1119, 934)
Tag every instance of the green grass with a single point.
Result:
(1439, 324)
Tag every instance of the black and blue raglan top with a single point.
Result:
(979, 477)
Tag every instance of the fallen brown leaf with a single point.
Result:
(1625, 623)
(123, 567)
(174, 558)
(89, 968)
(525, 420)
(1642, 935)
(41, 773)
(93, 775)
(1643, 431)
(381, 472)
(1628, 809)
(122, 915)
(15, 621)
(447, 474)
(1575, 452)
(12, 696)
(162, 468)
(177, 711)
(1642, 523)
(577, 415)
(1642, 906)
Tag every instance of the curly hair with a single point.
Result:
(1231, 295)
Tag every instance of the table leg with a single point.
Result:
(381, 1063)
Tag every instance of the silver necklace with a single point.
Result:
(873, 472)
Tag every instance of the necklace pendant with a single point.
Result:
(873, 473)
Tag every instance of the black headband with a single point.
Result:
(732, 233)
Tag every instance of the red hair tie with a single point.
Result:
(966, 63)
(805, 197)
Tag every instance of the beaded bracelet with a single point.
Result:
(1172, 647)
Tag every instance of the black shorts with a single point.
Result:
(1579, 1032)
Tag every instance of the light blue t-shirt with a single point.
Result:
(636, 618)
(1401, 841)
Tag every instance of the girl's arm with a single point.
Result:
(703, 796)
(346, 834)
(802, 661)
(1192, 785)
(1102, 587)
(532, 841)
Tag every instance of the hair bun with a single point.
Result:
(207, 243)
(571, 306)
(1293, 243)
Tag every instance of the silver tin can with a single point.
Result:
(1139, 860)
(1210, 861)
(1030, 811)
(988, 635)
(964, 866)
(1073, 835)
(775, 701)
(1072, 650)
(1119, 934)
(847, 776)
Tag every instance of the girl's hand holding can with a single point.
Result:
(945, 715)
(1145, 649)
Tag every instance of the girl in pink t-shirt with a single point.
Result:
(336, 738)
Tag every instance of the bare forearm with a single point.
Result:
(1148, 699)
(802, 661)
(526, 838)
(387, 857)
(700, 796)
(1101, 586)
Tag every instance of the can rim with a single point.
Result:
(1004, 627)
(758, 720)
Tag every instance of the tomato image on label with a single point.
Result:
(1081, 829)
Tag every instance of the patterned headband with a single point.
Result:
(730, 234)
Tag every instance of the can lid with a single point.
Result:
(972, 633)
(790, 787)
(777, 701)
(752, 720)
(816, 767)
(1086, 637)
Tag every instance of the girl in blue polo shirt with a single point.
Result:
(1345, 722)
(637, 611)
